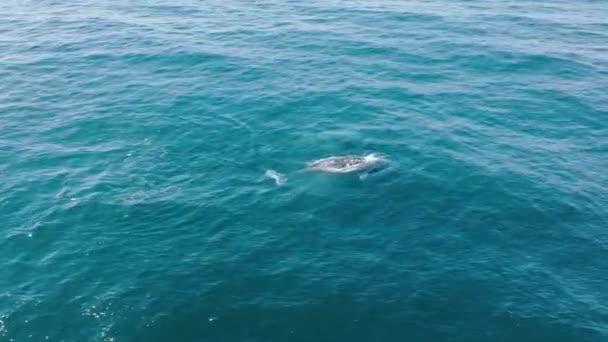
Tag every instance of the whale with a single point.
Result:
(345, 164)
(364, 165)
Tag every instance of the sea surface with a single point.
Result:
(153, 181)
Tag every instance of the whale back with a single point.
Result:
(343, 164)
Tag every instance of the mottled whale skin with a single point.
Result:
(344, 164)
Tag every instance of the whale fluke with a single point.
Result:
(278, 178)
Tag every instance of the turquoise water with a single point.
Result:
(135, 137)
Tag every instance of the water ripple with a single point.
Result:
(135, 138)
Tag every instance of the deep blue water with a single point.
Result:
(135, 135)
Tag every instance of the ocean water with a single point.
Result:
(136, 139)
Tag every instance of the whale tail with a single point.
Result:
(279, 178)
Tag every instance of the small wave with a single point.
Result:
(278, 178)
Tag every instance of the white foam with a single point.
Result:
(372, 158)
(279, 178)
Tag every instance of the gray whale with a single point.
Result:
(345, 164)
(365, 165)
